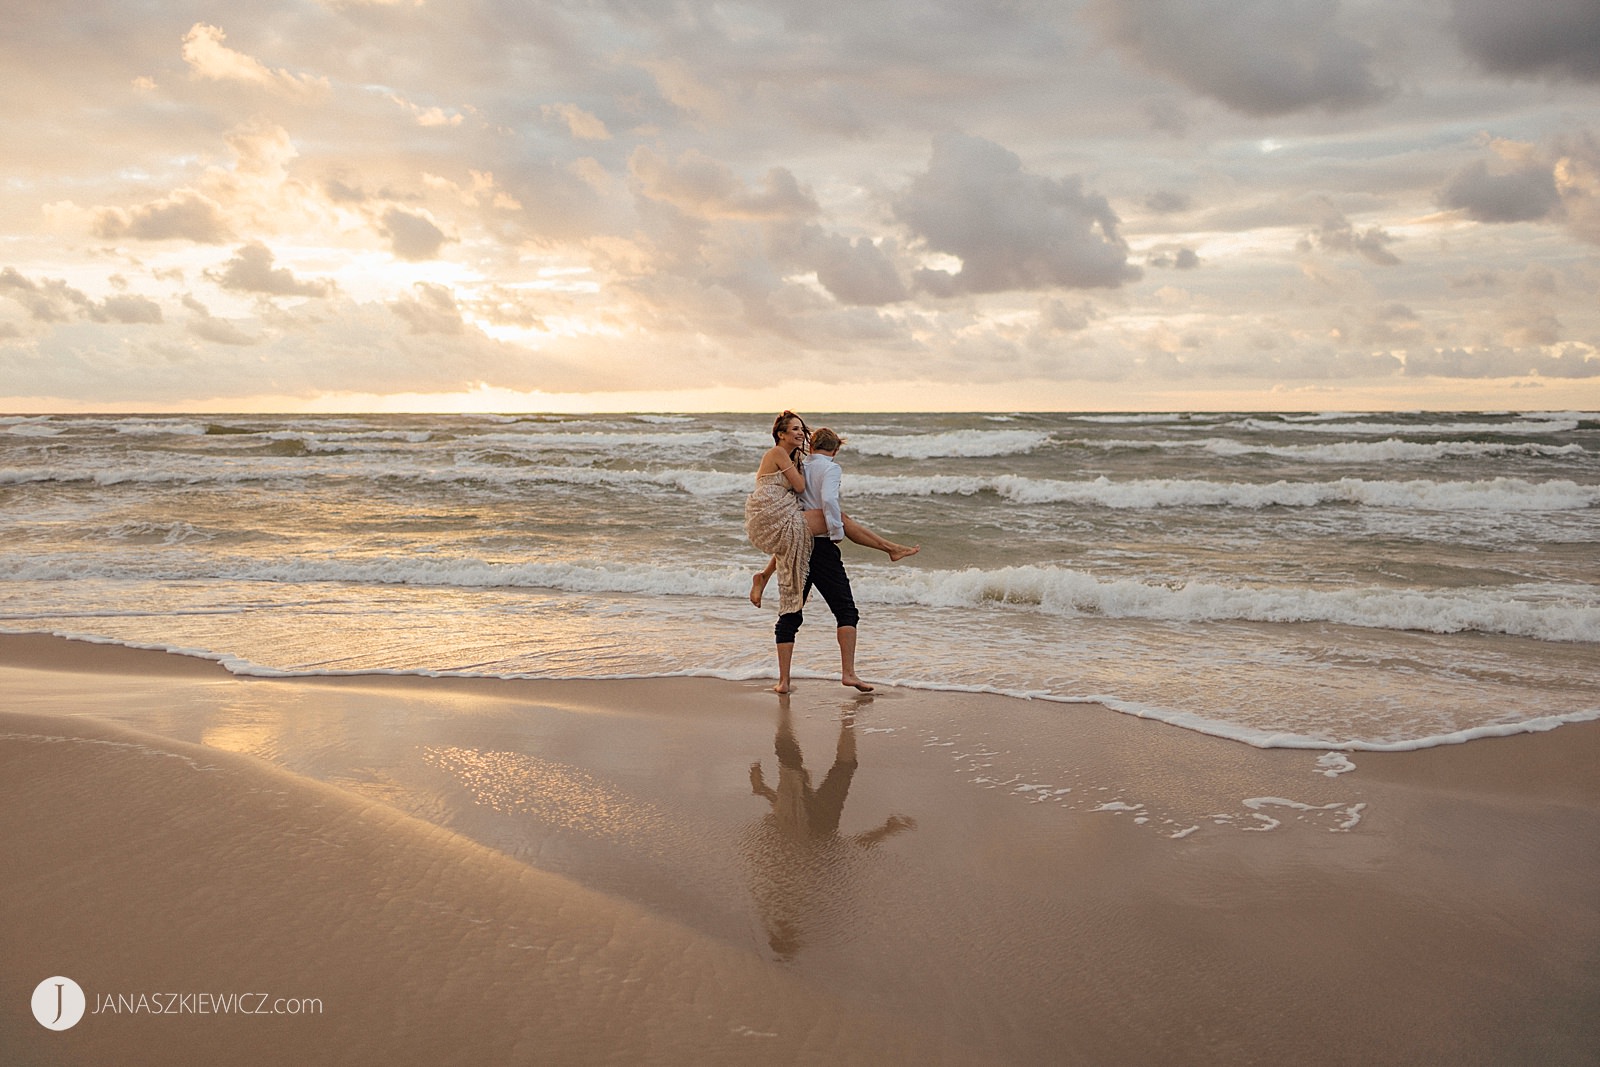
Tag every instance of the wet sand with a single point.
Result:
(698, 871)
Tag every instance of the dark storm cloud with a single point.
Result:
(1260, 57)
(1012, 230)
(1559, 38)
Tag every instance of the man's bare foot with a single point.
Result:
(758, 585)
(856, 683)
(900, 552)
(782, 689)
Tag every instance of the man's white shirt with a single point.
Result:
(822, 491)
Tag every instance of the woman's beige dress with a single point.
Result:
(776, 524)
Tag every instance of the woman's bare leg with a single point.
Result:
(868, 539)
(758, 583)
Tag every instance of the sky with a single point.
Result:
(508, 205)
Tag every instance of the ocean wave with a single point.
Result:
(1157, 418)
(165, 533)
(1492, 495)
(949, 445)
(1062, 591)
(1498, 494)
(1390, 450)
(1564, 614)
(1540, 426)
(336, 440)
(622, 443)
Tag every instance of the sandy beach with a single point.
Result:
(694, 871)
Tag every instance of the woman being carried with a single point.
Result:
(774, 519)
(817, 527)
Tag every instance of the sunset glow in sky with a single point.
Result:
(908, 204)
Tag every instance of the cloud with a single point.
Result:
(580, 123)
(209, 58)
(1558, 181)
(704, 188)
(1335, 233)
(1012, 230)
(1577, 175)
(1524, 194)
(1167, 202)
(128, 310)
(432, 310)
(1259, 57)
(412, 236)
(430, 117)
(251, 271)
(1177, 259)
(49, 301)
(54, 301)
(855, 272)
(183, 216)
(1548, 38)
(207, 327)
(221, 331)
(1573, 361)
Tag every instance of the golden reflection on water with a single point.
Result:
(803, 872)
(250, 736)
(560, 796)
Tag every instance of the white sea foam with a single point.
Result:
(1135, 420)
(36, 429)
(949, 445)
(1534, 426)
(1495, 495)
(1063, 591)
(160, 427)
(1333, 764)
(167, 533)
(1346, 452)
(1517, 612)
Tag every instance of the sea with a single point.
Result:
(1333, 580)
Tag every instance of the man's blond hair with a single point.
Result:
(825, 440)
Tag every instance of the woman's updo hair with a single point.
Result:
(825, 440)
(781, 423)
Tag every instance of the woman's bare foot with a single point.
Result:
(783, 690)
(758, 585)
(900, 552)
(855, 683)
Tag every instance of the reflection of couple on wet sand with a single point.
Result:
(794, 514)
(800, 865)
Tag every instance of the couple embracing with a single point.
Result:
(794, 513)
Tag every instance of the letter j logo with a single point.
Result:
(58, 1003)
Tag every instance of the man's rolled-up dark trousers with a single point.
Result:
(827, 574)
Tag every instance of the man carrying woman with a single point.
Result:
(771, 522)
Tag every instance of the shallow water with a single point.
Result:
(1333, 580)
